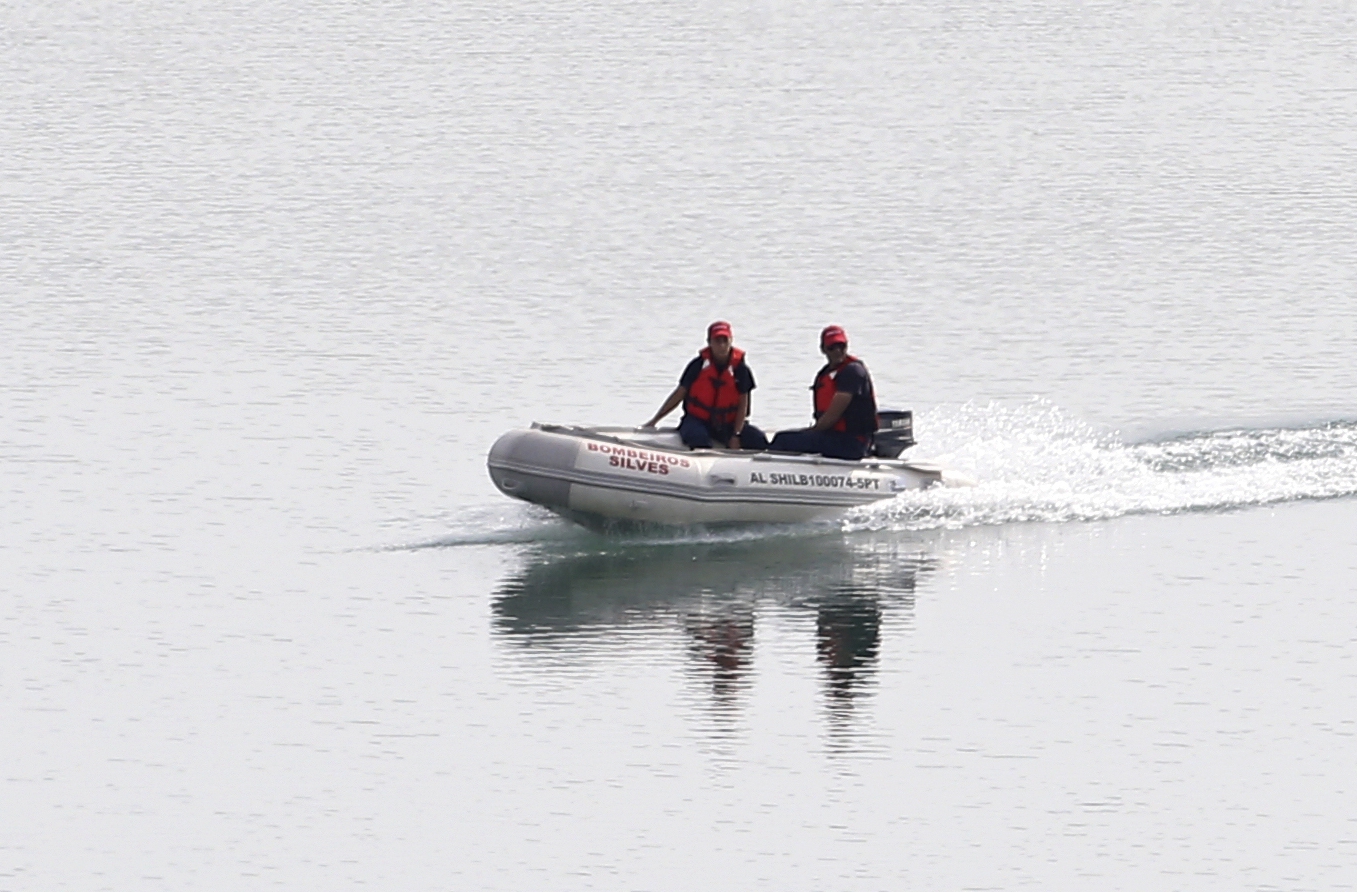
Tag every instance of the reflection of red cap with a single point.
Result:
(717, 329)
(832, 335)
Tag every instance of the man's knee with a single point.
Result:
(753, 438)
(791, 441)
(694, 433)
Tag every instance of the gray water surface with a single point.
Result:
(274, 279)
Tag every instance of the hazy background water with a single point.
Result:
(275, 278)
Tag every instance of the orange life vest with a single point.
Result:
(712, 398)
(823, 394)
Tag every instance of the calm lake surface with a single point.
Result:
(274, 279)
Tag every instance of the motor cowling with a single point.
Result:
(895, 434)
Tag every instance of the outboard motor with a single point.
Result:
(895, 435)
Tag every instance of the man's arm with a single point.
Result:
(741, 413)
(674, 399)
(837, 406)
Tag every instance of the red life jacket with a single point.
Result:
(823, 391)
(712, 398)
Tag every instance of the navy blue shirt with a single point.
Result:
(853, 378)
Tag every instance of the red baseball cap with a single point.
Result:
(716, 329)
(832, 335)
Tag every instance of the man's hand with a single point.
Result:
(734, 442)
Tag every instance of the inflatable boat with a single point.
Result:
(605, 476)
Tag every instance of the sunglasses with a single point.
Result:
(835, 346)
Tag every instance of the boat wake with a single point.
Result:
(520, 524)
(1034, 463)
(501, 525)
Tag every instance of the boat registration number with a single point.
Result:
(829, 481)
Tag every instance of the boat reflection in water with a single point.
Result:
(711, 594)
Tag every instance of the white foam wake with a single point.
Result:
(1035, 463)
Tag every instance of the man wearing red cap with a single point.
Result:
(844, 405)
(714, 390)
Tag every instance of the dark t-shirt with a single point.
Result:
(744, 378)
(852, 378)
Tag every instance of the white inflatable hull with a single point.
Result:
(600, 476)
